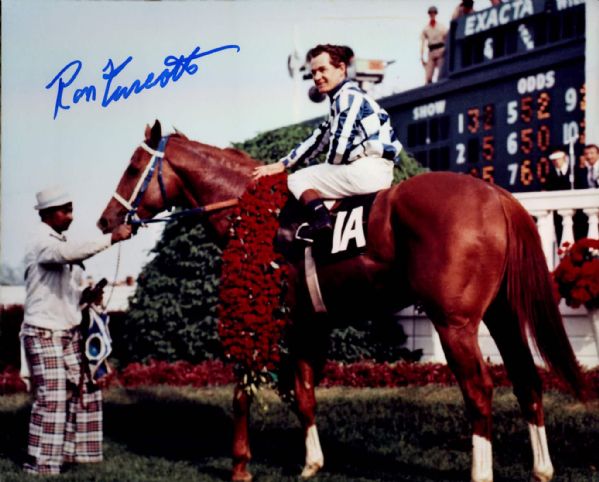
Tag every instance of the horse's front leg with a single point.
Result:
(241, 442)
(306, 408)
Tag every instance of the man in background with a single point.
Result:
(591, 155)
(466, 7)
(432, 38)
(558, 178)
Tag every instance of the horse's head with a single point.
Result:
(148, 186)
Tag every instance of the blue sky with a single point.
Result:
(232, 97)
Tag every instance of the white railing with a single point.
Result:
(542, 205)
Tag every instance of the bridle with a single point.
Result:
(132, 204)
(144, 181)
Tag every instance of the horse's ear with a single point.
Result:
(179, 133)
(153, 135)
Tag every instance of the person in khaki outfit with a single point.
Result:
(432, 38)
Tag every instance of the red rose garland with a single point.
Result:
(251, 317)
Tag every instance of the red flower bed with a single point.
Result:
(181, 373)
(251, 318)
(404, 374)
(360, 375)
(10, 382)
(371, 374)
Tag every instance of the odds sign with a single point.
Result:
(516, 89)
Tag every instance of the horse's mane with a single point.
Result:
(199, 148)
(237, 152)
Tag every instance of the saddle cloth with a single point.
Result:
(350, 232)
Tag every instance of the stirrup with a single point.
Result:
(308, 233)
(314, 235)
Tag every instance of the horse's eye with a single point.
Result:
(132, 170)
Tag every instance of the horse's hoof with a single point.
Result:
(483, 479)
(542, 476)
(311, 470)
(244, 476)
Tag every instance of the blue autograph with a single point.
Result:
(175, 68)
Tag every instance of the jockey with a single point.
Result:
(362, 146)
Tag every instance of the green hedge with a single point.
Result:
(172, 314)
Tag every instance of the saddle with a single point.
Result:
(350, 230)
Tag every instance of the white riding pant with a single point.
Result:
(335, 181)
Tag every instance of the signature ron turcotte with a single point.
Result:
(68, 94)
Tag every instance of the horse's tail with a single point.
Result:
(531, 296)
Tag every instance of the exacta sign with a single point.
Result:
(505, 13)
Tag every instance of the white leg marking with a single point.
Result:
(314, 457)
(482, 460)
(542, 469)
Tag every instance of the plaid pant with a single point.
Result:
(66, 417)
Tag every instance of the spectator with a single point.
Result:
(558, 179)
(591, 154)
(464, 8)
(559, 175)
(66, 417)
(433, 37)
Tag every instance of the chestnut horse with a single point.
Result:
(463, 249)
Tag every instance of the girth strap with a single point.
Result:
(312, 282)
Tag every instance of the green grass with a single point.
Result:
(405, 434)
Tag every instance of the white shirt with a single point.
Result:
(593, 174)
(563, 170)
(53, 285)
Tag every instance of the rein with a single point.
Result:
(199, 210)
(141, 187)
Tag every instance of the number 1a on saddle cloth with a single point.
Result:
(350, 221)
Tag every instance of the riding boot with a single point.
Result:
(320, 226)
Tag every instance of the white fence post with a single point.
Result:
(593, 214)
(547, 234)
(567, 225)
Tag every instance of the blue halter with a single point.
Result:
(142, 186)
